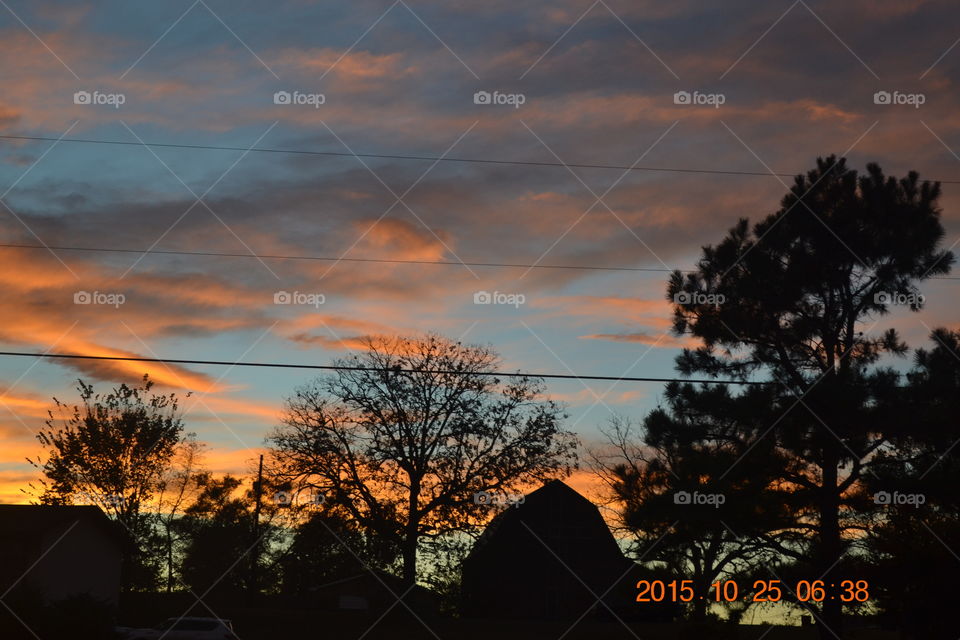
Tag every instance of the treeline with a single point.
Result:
(826, 464)
(382, 466)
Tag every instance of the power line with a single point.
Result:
(393, 157)
(286, 365)
(388, 156)
(423, 158)
(451, 263)
(511, 265)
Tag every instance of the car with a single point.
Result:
(187, 628)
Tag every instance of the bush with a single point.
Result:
(79, 617)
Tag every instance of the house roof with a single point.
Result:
(33, 519)
(547, 556)
(549, 507)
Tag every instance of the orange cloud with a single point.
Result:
(41, 309)
(263, 412)
(664, 340)
(13, 485)
(652, 312)
(590, 395)
(401, 240)
(233, 461)
(24, 403)
(169, 375)
(353, 343)
(352, 68)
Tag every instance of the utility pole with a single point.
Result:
(255, 555)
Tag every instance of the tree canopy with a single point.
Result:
(405, 435)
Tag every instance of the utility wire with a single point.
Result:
(285, 365)
(424, 158)
(388, 156)
(451, 263)
(510, 265)
(392, 157)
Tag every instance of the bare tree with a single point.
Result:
(407, 435)
(177, 489)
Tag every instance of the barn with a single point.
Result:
(553, 557)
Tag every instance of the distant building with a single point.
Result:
(550, 557)
(59, 551)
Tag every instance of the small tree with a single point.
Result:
(112, 450)
(405, 435)
(321, 552)
(222, 535)
(675, 489)
(177, 489)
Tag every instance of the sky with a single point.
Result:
(758, 90)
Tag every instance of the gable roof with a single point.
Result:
(555, 508)
(547, 557)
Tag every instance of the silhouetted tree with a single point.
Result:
(326, 548)
(177, 489)
(220, 533)
(912, 497)
(791, 299)
(405, 435)
(677, 489)
(113, 450)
